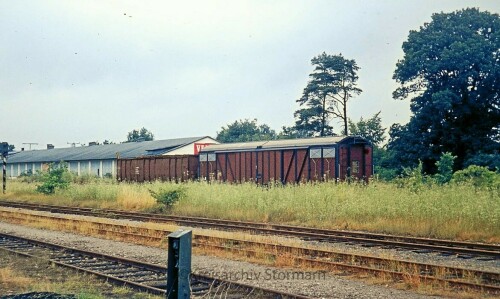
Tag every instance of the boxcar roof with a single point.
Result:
(283, 144)
(103, 152)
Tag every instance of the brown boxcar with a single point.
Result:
(165, 168)
(288, 161)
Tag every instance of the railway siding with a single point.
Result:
(447, 252)
(331, 287)
(398, 269)
(132, 273)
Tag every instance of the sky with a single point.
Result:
(82, 71)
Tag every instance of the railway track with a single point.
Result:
(144, 277)
(420, 245)
(398, 270)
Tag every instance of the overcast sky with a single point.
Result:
(80, 71)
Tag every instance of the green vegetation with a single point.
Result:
(245, 130)
(370, 129)
(332, 84)
(462, 205)
(451, 80)
(167, 197)
(467, 208)
(140, 135)
(478, 176)
(57, 177)
(445, 168)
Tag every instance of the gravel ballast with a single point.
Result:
(313, 284)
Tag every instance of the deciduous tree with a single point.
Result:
(140, 135)
(451, 74)
(370, 129)
(245, 130)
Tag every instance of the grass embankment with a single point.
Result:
(451, 211)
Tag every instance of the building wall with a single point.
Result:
(190, 148)
(10, 170)
(73, 167)
(99, 168)
(16, 169)
(95, 168)
(108, 168)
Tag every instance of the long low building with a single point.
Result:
(101, 160)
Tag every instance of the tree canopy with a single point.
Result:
(332, 83)
(245, 130)
(370, 129)
(451, 74)
(140, 135)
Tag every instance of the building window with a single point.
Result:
(203, 157)
(355, 167)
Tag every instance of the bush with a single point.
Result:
(385, 174)
(387, 166)
(83, 179)
(30, 177)
(445, 168)
(412, 179)
(478, 176)
(57, 177)
(167, 198)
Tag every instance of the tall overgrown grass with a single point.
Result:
(455, 210)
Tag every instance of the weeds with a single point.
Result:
(168, 197)
(460, 209)
(445, 168)
(479, 177)
(57, 177)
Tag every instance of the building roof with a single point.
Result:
(103, 152)
(282, 144)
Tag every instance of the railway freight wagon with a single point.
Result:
(166, 168)
(288, 161)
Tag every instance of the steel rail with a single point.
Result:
(75, 259)
(398, 269)
(370, 239)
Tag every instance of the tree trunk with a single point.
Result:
(323, 117)
(345, 116)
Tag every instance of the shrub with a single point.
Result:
(30, 177)
(478, 176)
(412, 178)
(385, 174)
(27, 173)
(168, 197)
(83, 179)
(57, 177)
(445, 168)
